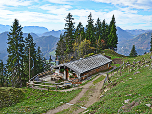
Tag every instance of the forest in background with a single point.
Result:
(78, 42)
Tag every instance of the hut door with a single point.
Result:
(67, 74)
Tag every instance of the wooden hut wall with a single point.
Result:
(104, 67)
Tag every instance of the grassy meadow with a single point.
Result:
(129, 93)
(32, 101)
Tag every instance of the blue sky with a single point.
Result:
(129, 14)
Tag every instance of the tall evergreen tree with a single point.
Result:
(98, 34)
(29, 43)
(69, 33)
(79, 36)
(90, 35)
(40, 61)
(79, 33)
(112, 22)
(151, 44)
(15, 54)
(112, 37)
(104, 33)
(133, 52)
(1, 74)
(61, 48)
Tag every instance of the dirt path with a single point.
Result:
(94, 96)
(93, 99)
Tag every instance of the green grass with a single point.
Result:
(10, 96)
(117, 65)
(112, 54)
(39, 101)
(99, 79)
(139, 86)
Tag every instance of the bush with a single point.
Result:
(71, 76)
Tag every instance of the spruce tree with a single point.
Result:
(61, 48)
(69, 33)
(79, 33)
(29, 43)
(40, 61)
(15, 54)
(112, 37)
(79, 36)
(104, 33)
(133, 52)
(151, 44)
(98, 34)
(90, 35)
(1, 74)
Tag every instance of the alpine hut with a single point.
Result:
(83, 68)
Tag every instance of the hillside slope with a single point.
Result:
(47, 44)
(124, 35)
(129, 93)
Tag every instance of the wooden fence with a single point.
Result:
(129, 68)
(43, 84)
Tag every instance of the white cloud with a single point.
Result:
(63, 1)
(54, 16)
(138, 4)
(15, 2)
(59, 1)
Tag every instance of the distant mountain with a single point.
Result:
(47, 44)
(26, 29)
(137, 32)
(34, 29)
(123, 35)
(141, 42)
(4, 28)
(35, 36)
(3, 43)
(53, 33)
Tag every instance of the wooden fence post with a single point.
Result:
(107, 77)
(120, 70)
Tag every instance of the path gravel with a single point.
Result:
(93, 99)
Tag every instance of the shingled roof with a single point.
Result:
(89, 63)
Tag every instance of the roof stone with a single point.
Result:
(86, 64)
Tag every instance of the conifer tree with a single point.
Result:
(79, 36)
(29, 43)
(69, 33)
(61, 48)
(104, 33)
(15, 54)
(90, 35)
(112, 37)
(40, 61)
(79, 33)
(151, 44)
(98, 35)
(133, 52)
(1, 74)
